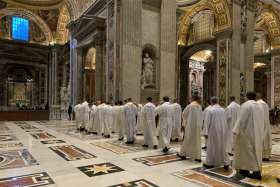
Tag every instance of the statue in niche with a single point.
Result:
(195, 88)
(148, 71)
(64, 102)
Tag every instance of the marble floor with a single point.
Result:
(51, 153)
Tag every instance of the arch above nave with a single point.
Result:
(218, 7)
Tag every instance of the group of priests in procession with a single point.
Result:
(242, 132)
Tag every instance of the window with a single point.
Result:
(20, 28)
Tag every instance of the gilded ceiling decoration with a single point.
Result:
(218, 7)
(62, 33)
(37, 4)
(268, 20)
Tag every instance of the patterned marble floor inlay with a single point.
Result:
(119, 147)
(52, 141)
(100, 169)
(11, 145)
(138, 183)
(16, 159)
(32, 180)
(201, 179)
(34, 131)
(42, 135)
(27, 127)
(217, 177)
(7, 137)
(158, 159)
(71, 153)
(78, 135)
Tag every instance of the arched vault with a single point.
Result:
(218, 7)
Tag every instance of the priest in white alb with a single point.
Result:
(115, 109)
(215, 134)
(96, 121)
(149, 124)
(107, 119)
(267, 145)
(78, 117)
(232, 112)
(249, 131)
(177, 121)
(164, 112)
(192, 123)
(85, 110)
(121, 122)
(130, 112)
(91, 118)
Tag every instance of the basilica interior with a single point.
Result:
(60, 53)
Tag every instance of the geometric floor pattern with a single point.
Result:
(7, 137)
(119, 147)
(10, 145)
(52, 141)
(219, 177)
(61, 156)
(100, 169)
(138, 183)
(16, 159)
(32, 180)
(71, 153)
(42, 135)
(158, 159)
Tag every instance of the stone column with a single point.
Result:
(223, 66)
(131, 48)
(168, 49)
(249, 46)
(99, 70)
(73, 70)
(275, 78)
(53, 87)
(79, 76)
(268, 88)
(234, 67)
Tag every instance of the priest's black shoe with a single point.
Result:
(207, 166)
(129, 142)
(255, 175)
(120, 139)
(145, 146)
(197, 160)
(226, 167)
(244, 173)
(176, 140)
(108, 136)
(155, 146)
(265, 159)
(182, 157)
(165, 150)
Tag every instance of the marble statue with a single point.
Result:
(64, 102)
(148, 71)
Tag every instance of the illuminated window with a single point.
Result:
(20, 28)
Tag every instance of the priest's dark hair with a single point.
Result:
(232, 98)
(214, 100)
(149, 99)
(129, 100)
(251, 95)
(165, 99)
(195, 97)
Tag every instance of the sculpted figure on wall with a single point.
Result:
(148, 71)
